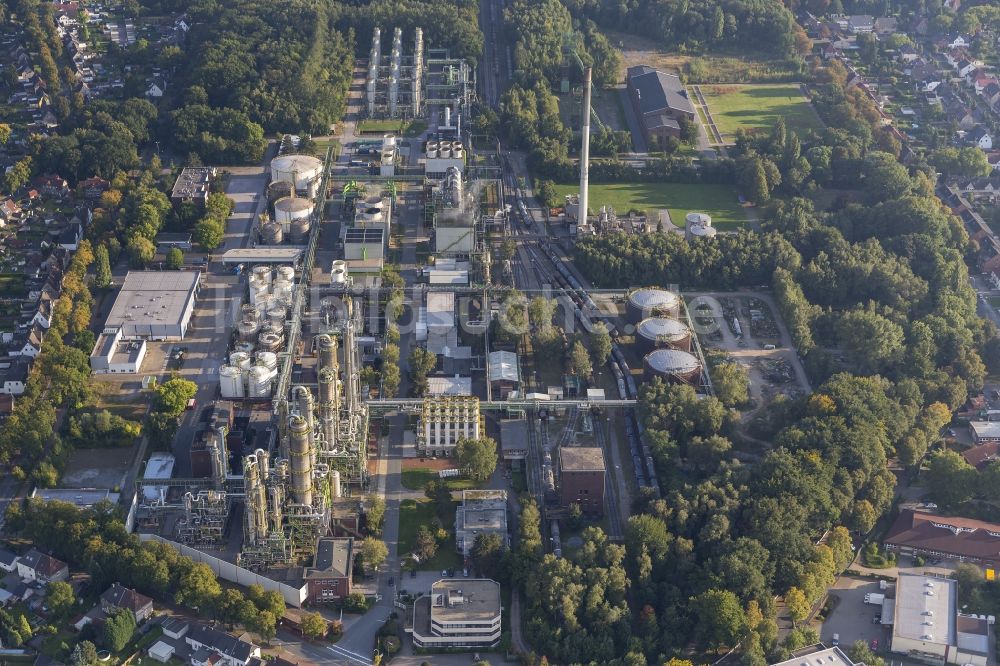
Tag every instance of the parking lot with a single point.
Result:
(852, 617)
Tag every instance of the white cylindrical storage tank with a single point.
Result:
(259, 382)
(388, 141)
(432, 153)
(267, 359)
(231, 382)
(338, 272)
(259, 291)
(701, 232)
(656, 332)
(335, 483)
(289, 209)
(286, 273)
(240, 359)
(702, 219)
(674, 365)
(445, 152)
(248, 312)
(282, 289)
(652, 302)
(300, 170)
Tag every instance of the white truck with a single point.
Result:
(874, 598)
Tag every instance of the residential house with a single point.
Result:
(93, 188)
(860, 24)
(120, 597)
(28, 342)
(982, 81)
(885, 26)
(53, 186)
(69, 237)
(14, 377)
(907, 53)
(991, 93)
(36, 565)
(156, 88)
(994, 160)
(9, 211)
(980, 137)
(8, 560)
(964, 67)
(211, 647)
(957, 41)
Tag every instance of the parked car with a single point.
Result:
(392, 581)
(874, 645)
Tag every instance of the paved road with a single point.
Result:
(218, 307)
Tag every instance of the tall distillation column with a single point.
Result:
(301, 467)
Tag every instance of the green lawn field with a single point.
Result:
(758, 107)
(719, 201)
(413, 514)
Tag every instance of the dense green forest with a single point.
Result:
(756, 25)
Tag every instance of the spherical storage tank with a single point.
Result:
(301, 170)
(674, 365)
(656, 332)
(652, 302)
(290, 209)
(231, 382)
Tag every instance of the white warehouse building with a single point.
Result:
(155, 305)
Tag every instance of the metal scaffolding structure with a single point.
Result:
(394, 87)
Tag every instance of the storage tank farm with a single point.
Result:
(321, 454)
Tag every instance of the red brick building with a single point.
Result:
(581, 478)
(329, 578)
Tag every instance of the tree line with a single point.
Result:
(95, 540)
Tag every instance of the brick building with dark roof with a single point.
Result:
(660, 101)
(966, 539)
(981, 456)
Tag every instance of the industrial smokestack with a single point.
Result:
(585, 149)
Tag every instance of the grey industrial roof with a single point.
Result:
(581, 459)
(263, 254)
(925, 609)
(480, 600)
(985, 429)
(503, 367)
(973, 633)
(193, 182)
(153, 297)
(80, 497)
(819, 657)
(333, 558)
(658, 90)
